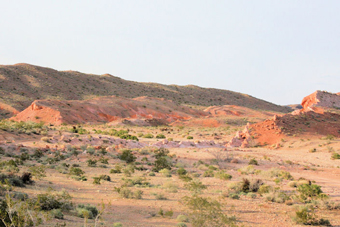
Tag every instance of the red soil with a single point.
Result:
(105, 109)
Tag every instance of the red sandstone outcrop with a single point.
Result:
(321, 99)
(152, 111)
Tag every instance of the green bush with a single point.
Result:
(195, 186)
(116, 169)
(91, 162)
(57, 213)
(208, 173)
(160, 136)
(129, 194)
(148, 136)
(54, 200)
(165, 172)
(206, 212)
(252, 185)
(222, 175)
(181, 171)
(76, 171)
(87, 211)
(309, 192)
(182, 218)
(306, 216)
(127, 156)
(163, 161)
(190, 137)
(335, 155)
(253, 161)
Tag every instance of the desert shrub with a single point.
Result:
(328, 137)
(26, 178)
(208, 173)
(163, 161)
(126, 193)
(15, 213)
(181, 224)
(276, 173)
(149, 136)
(127, 156)
(152, 174)
(57, 213)
(265, 189)
(181, 171)
(54, 200)
(185, 178)
(306, 216)
(87, 211)
(326, 204)
(222, 175)
(90, 150)
(195, 186)
(91, 162)
(182, 218)
(12, 180)
(170, 187)
(308, 192)
(117, 224)
(277, 196)
(253, 161)
(160, 196)
(206, 212)
(168, 213)
(160, 136)
(248, 170)
(19, 196)
(105, 177)
(116, 169)
(251, 195)
(312, 150)
(190, 137)
(335, 155)
(76, 171)
(252, 185)
(292, 184)
(165, 172)
(96, 180)
(9, 166)
(233, 196)
(129, 137)
(104, 160)
(139, 181)
(137, 194)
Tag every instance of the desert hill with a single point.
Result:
(106, 109)
(140, 111)
(318, 117)
(21, 84)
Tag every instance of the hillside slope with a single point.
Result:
(21, 84)
(106, 109)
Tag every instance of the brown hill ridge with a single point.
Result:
(21, 84)
(106, 109)
(315, 119)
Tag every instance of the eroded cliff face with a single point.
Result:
(321, 99)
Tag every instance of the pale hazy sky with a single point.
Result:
(279, 51)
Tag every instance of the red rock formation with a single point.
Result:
(106, 109)
(321, 99)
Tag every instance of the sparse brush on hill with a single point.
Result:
(71, 85)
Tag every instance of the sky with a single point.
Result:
(278, 51)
